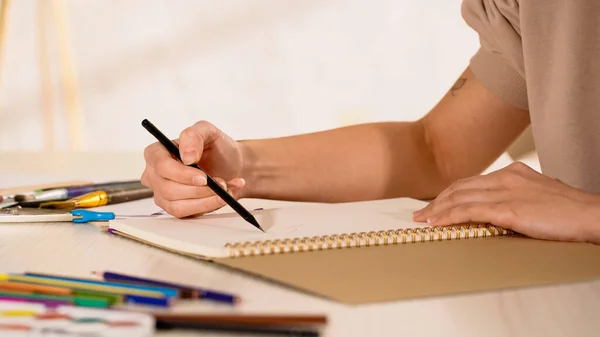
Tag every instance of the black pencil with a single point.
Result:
(212, 184)
(236, 328)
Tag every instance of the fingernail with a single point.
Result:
(199, 180)
(189, 157)
(242, 183)
(224, 185)
(430, 220)
(418, 215)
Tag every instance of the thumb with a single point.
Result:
(194, 139)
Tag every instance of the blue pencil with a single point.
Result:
(135, 299)
(170, 292)
(186, 291)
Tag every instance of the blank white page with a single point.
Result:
(207, 235)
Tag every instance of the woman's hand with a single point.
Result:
(181, 190)
(520, 199)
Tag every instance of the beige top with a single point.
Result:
(544, 56)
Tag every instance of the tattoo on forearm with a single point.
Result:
(457, 85)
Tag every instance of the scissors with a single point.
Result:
(17, 214)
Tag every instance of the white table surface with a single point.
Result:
(563, 310)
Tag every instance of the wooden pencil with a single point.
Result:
(247, 319)
(82, 286)
(38, 288)
(81, 301)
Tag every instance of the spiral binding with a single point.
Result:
(364, 239)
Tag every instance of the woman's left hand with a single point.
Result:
(520, 199)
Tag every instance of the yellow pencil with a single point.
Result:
(18, 313)
(82, 285)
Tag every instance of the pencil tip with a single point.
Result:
(253, 221)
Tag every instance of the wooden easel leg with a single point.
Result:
(47, 101)
(68, 77)
(4, 4)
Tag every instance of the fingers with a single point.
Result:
(236, 185)
(499, 214)
(174, 170)
(182, 208)
(171, 190)
(476, 182)
(194, 139)
(154, 153)
(474, 189)
(492, 187)
(160, 163)
(461, 197)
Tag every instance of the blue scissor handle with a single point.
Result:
(83, 216)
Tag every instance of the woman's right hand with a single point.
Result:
(181, 190)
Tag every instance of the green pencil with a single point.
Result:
(111, 298)
(82, 301)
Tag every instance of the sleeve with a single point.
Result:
(498, 63)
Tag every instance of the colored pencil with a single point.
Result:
(129, 299)
(185, 290)
(81, 285)
(15, 327)
(101, 198)
(161, 302)
(18, 286)
(171, 292)
(242, 318)
(48, 303)
(74, 300)
(68, 192)
(234, 328)
(52, 315)
(110, 298)
(32, 188)
(18, 313)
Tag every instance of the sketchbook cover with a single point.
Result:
(416, 270)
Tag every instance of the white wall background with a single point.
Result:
(255, 68)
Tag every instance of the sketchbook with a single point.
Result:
(297, 229)
(367, 251)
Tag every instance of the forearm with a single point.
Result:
(461, 136)
(361, 162)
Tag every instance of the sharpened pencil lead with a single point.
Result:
(253, 221)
